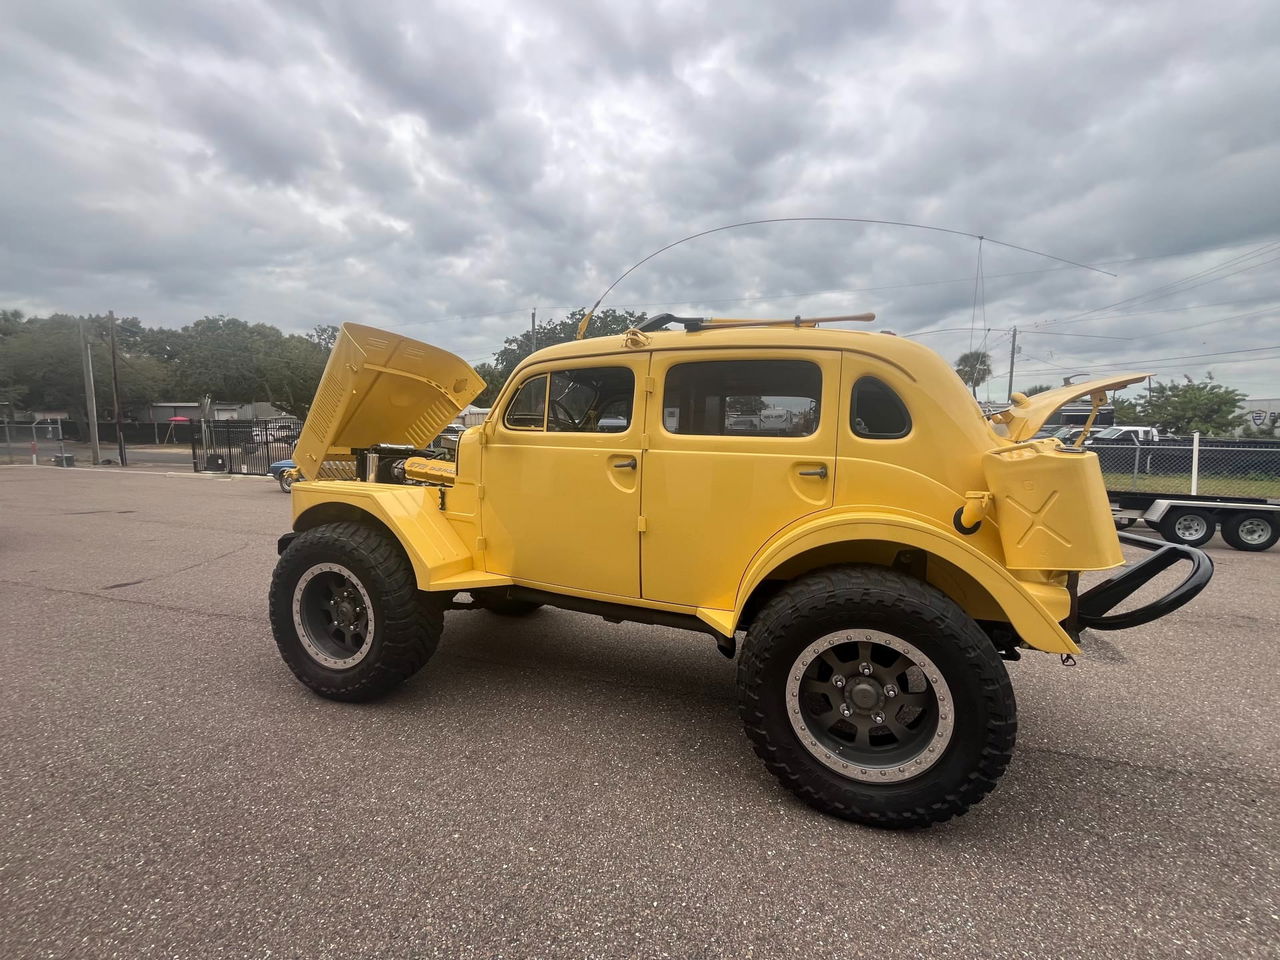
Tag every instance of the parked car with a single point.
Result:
(282, 471)
(883, 553)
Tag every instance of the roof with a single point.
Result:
(900, 351)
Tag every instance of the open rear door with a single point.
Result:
(379, 387)
(1025, 418)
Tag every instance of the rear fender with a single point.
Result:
(1033, 622)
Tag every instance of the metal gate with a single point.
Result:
(241, 446)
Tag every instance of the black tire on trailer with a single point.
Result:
(1187, 525)
(347, 614)
(1152, 524)
(874, 697)
(1251, 531)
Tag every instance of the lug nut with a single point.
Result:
(845, 709)
(890, 691)
(877, 717)
(864, 668)
(838, 681)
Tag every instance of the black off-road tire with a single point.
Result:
(1188, 526)
(874, 598)
(407, 623)
(1252, 532)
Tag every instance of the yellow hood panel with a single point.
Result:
(1025, 418)
(379, 387)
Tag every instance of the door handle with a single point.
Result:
(628, 464)
(820, 472)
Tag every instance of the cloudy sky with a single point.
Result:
(442, 168)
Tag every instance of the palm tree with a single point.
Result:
(974, 368)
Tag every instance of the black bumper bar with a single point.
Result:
(1093, 609)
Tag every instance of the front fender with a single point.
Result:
(1032, 621)
(440, 558)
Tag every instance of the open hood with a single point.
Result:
(379, 387)
(1028, 414)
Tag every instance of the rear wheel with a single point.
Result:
(286, 482)
(1251, 531)
(875, 698)
(347, 614)
(1187, 525)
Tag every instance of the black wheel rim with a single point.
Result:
(333, 616)
(870, 706)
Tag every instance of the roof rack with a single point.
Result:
(691, 324)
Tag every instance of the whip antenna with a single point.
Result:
(586, 320)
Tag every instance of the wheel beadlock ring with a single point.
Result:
(304, 633)
(896, 772)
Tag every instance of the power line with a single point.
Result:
(1156, 294)
(1165, 360)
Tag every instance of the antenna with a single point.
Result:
(586, 320)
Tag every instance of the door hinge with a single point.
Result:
(481, 544)
(648, 385)
(641, 524)
(479, 491)
(644, 441)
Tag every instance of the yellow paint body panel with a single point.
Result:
(440, 557)
(380, 387)
(688, 523)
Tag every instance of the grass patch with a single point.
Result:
(1211, 485)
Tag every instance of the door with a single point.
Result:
(739, 447)
(561, 470)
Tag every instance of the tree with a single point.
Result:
(605, 322)
(1203, 406)
(325, 334)
(974, 368)
(1128, 412)
(493, 383)
(1038, 388)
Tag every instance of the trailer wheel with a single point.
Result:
(1251, 531)
(1187, 526)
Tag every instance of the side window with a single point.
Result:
(528, 408)
(591, 400)
(877, 413)
(758, 398)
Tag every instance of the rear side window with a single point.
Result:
(756, 398)
(528, 408)
(877, 413)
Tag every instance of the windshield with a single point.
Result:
(1110, 433)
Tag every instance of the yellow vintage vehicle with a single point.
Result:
(835, 497)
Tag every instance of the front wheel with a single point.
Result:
(286, 482)
(347, 615)
(874, 697)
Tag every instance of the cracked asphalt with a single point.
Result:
(562, 787)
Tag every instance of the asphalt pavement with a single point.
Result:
(558, 786)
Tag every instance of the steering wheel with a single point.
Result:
(560, 415)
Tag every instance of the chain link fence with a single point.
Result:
(37, 443)
(1207, 466)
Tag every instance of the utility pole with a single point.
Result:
(90, 399)
(533, 330)
(115, 391)
(1013, 352)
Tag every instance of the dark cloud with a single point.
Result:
(444, 167)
